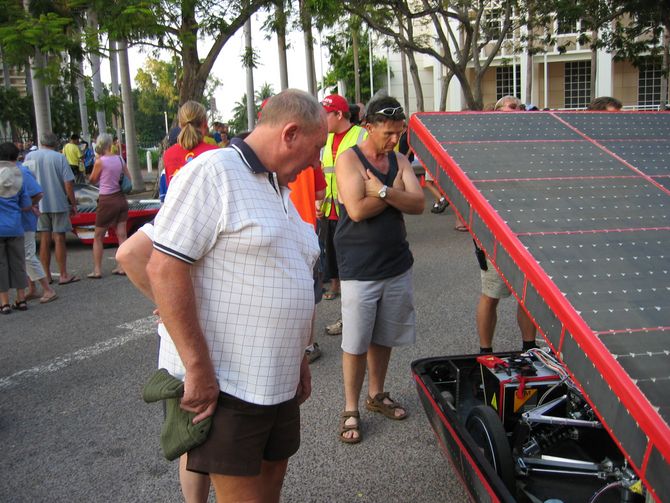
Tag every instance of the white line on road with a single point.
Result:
(136, 330)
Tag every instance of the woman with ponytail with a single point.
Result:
(190, 142)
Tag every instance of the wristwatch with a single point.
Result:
(382, 192)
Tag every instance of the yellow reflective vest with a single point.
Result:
(354, 136)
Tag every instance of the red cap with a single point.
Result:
(335, 103)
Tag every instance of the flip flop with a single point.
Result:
(46, 300)
(118, 273)
(73, 279)
(94, 276)
(461, 228)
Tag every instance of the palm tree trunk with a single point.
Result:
(594, 64)
(306, 25)
(101, 119)
(39, 91)
(357, 71)
(114, 75)
(529, 53)
(280, 15)
(83, 108)
(6, 77)
(40, 97)
(251, 102)
(129, 118)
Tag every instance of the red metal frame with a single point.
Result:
(630, 395)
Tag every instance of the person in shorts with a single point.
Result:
(227, 240)
(112, 210)
(494, 289)
(376, 187)
(54, 175)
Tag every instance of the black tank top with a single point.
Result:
(375, 248)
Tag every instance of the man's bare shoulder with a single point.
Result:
(348, 160)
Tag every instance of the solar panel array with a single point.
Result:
(574, 210)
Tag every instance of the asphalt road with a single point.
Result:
(73, 426)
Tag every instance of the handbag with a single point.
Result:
(126, 184)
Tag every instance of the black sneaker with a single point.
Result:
(440, 206)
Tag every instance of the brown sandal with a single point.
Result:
(377, 404)
(344, 427)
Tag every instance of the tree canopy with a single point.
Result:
(343, 66)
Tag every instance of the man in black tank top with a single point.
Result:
(376, 186)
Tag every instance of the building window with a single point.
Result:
(577, 84)
(566, 26)
(493, 24)
(505, 81)
(649, 84)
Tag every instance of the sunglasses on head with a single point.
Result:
(390, 111)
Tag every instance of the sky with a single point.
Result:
(229, 70)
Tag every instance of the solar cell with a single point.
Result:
(574, 210)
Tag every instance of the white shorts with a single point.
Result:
(492, 284)
(378, 311)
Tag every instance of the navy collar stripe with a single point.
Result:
(248, 156)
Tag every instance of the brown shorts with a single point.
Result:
(112, 210)
(244, 434)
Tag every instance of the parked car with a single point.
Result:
(140, 211)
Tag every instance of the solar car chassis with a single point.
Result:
(631, 399)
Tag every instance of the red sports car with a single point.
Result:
(140, 211)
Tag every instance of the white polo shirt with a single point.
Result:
(252, 258)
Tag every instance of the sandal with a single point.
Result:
(5, 309)
(344, 427)
(20, 305)
(377, 404)
(330, 295)
(461, 228)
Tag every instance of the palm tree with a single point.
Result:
(129, 117)
(114, 76)
(39, 90)
(248, 60)
(306, 26)
(280, 30)
(92, 19)
(83, 108)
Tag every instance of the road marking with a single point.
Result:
(136, 330)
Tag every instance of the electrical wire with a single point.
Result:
(604, 489)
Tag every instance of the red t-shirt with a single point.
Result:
(337, 139)
(176, 157)
(319, 179)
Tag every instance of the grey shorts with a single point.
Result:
(492, 284)
(378, 311)
(54, 222)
